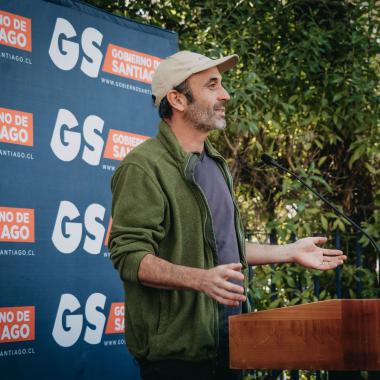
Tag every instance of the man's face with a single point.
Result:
(207, 111)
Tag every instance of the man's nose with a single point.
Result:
(224, 95)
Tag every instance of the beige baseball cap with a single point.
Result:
(178, 67)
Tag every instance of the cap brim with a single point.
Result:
(223, 64)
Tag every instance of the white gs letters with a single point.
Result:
(68, 327)
(67, 234)
(66, 143)
(65, 53)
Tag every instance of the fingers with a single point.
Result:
(332, 259)
(230, 271)
(225, 289)
(233, 288)
(228, 298)
(332, 252)
(334, 256)
(233, 266)
(233, 275)
(338, 259)
(227, 302)
(326, 265)
(337, 255)
(319, 240)
(218, 286)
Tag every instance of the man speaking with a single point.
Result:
(177, 239)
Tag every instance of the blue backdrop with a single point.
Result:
(75, 98)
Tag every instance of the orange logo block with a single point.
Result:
(120, 143)
(15, 31)
(115, 323)
(17, 225)
(16, 127)
(17, 324)
(130, 63)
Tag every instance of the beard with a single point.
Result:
(205, 118)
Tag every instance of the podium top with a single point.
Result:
(328, 309)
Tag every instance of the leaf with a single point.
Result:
(318, 143)
(322, 295)
(337, 96)
(341, 225)
(268, 117)
(321, 160)
(277, 278)
(290, 281)
(274, 304)
(370, 168)
(358, 152)
(294, 301)
(325, 224)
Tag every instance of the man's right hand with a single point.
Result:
(215, 282)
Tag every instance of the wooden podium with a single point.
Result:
(331, 335)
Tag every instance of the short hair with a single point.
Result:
(165, 109)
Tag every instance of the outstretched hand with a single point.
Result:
(307, 253)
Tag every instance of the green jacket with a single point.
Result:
(158, 208)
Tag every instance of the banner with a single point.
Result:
(75, 100)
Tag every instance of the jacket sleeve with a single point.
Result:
(137, 216)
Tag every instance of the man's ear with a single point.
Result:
(177, 100)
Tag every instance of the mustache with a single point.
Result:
(219, 105)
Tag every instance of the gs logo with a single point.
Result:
(66, 141)
(64, 50)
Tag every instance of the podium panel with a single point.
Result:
(331, 335)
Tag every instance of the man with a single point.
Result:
(177, 238)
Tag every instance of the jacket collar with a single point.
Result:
(168, 139)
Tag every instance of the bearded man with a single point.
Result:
(177, 239)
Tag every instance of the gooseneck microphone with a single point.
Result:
(270, 161)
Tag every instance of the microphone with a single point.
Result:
(270, 161)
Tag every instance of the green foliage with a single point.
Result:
(306, 90)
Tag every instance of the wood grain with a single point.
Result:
(333, 335)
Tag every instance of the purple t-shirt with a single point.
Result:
(211, 180)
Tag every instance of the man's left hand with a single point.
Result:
(306, 252)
